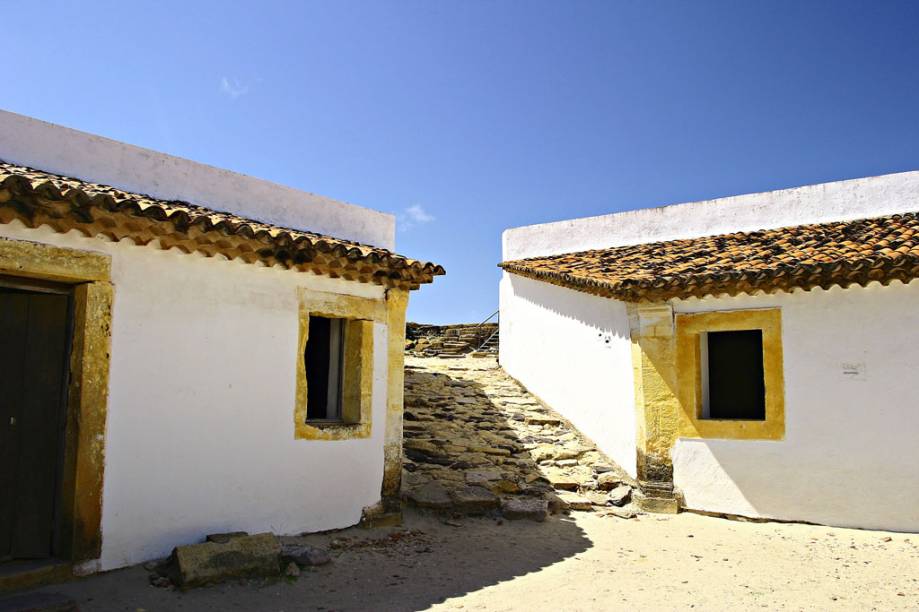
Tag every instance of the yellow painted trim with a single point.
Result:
(337, 305)
(396, 305)
(357, 382)
(84, 453)
(656, 404)
(688, 327)
(51, 263)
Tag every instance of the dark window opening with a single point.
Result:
(732, 375)
(323, 361)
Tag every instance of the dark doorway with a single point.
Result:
(323, 363)
(35, 337)
(735, 386)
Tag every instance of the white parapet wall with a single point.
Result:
(843, 200)
(844, 434)
(45, 146)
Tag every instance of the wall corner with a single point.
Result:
(656, 403)
(396, 305)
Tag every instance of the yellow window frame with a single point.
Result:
(359, 314)
(689, 327)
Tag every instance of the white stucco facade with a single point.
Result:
(200, 425)
(572, 350)
(38, 144)
(848, 456)
(200, 431)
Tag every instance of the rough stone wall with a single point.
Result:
(449, 340)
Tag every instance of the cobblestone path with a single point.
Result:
(476, 442)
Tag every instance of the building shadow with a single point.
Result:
(432, 557)
(423, 563)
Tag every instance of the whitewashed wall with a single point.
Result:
(200, 433)
(61, 150)
(573, 351)
(850, 455)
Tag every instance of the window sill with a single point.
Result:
(733, 429)
(332, 430)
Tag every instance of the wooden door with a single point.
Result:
(34, 348)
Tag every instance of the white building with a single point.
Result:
(186, 351)
(764, 374)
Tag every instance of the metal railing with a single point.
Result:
(489, 318)
(493, 334)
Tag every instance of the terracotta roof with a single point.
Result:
(805, 256)
(41, 198)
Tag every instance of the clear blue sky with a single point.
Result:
(465, 118)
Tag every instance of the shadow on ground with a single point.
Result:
(422, 563)
(462, 433)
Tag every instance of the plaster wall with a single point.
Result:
(45, 146)
(842, 200)
(573, 351)
(200, 431)
(849, 454)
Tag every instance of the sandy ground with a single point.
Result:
(582, 562)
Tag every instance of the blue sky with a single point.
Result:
(465, 118)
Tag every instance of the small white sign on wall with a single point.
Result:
(854, 370)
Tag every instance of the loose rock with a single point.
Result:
(620, 495)
(304, 556)
(609, 480)
(529, 508)
(576, 501)
(292, 571)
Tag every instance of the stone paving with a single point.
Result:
(476, 442)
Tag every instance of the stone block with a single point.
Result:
(623, 513)
(543, 452)
(621, 495)
(576, 502)
(608, 481)
(241, 557)
(657, 505)
(562, 480)
(474, 500)
(524, 508)
(432, 495)
(597, 498)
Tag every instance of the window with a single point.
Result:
(334, 365)
(730, 374)
(324, 361)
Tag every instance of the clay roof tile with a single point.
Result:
(804, 256)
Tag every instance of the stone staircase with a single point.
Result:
(476, 442)
(490, 345)
(452, 341)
